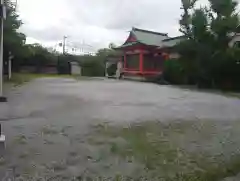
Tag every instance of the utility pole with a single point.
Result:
(3, 16)
(64, 44)
(2, 99)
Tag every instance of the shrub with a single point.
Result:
(92, 66)
(173, 71)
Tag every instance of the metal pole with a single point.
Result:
(3, 16)
(1, 59)
(64, 44)
(10, 66)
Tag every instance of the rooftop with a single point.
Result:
(150, 38)
(147, 31)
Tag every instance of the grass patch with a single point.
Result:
(24, 155)
(2, 161)
(176, 151)
(21, 139)
(21, 78)
(49, 130)
(233, 94)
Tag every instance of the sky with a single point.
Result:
(95, 23)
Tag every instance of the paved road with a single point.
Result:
(38, 112)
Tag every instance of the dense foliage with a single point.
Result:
(93, 66)
(173, 71)
(13, 40)
(206, 57)
(37, 56)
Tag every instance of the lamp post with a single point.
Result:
(2, 16)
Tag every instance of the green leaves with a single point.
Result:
(185, 20)
(188, 4)
(13, 40)
(223, 7)
(209, 31)
(199, 24)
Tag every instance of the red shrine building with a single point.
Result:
(144, 52)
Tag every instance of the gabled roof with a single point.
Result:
(149, 38)
(150, 32)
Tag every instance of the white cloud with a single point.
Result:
(96, 22)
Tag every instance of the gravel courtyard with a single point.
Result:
(48, 123)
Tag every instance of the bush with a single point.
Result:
(92, 66)
(173, 71)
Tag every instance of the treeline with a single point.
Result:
(206, 57)
(91, 65)
(15, 42)
(39, 57)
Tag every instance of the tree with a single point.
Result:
(38, 56)
(104, 52)
(185, 28)
(208, 32)
(13, 40)
(112, 46)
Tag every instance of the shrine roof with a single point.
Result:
(149, 38)
(170, 42)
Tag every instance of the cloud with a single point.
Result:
(96, 22)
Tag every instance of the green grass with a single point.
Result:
(21, 78)
(232, 94)
(164, 149)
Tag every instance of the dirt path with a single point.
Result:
(48, 123)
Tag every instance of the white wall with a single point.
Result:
(75, 69)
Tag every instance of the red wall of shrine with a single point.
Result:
(154, 66)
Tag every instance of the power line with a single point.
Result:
(74, 47)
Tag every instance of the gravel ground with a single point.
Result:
(47, 123)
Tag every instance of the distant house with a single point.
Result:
(144, 52)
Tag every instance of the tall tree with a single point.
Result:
(224, 64)
(209, 31)
(185, 20)
(13, 39)
(224, 22)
